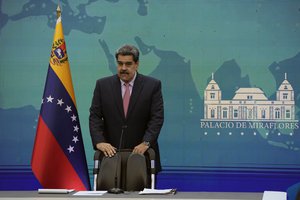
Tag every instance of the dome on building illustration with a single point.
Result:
(249, 94)
(285, 91)
(285, 85)
(212, 85)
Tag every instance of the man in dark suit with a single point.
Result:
(140, 120)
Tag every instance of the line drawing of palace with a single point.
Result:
(249, 104)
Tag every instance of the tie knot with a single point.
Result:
(126, 85)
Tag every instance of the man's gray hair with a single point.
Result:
(127, 50)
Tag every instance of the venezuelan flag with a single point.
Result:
(58, 157)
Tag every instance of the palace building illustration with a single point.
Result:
(249, 104)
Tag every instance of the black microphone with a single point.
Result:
(116, 189)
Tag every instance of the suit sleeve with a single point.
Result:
(96, 121)
(156, 115)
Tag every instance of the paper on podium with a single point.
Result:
(274, 195)
(55, 191)
(158, 191)
(89, 193)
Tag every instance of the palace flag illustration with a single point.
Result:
(58, 157)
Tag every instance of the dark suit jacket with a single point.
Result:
(144, 119)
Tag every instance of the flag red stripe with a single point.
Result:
(49, 163)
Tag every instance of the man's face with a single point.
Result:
(126, 67)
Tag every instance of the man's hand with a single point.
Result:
(107, 149)
(141, 148)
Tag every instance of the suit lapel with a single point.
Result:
(116, 86)
(136, 90)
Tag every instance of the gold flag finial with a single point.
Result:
(58, 12)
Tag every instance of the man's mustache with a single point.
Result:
(124, 72)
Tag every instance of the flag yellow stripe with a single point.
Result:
(62, 69)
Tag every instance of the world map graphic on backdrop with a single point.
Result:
(185, 71)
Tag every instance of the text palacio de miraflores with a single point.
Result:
(248, 125)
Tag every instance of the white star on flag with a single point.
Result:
(73, 117)
(76, 128)
(68, 109)
(60, 102)
(70, 149)
(49, 99)
(75, 139)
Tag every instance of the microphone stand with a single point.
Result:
(116, 189)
